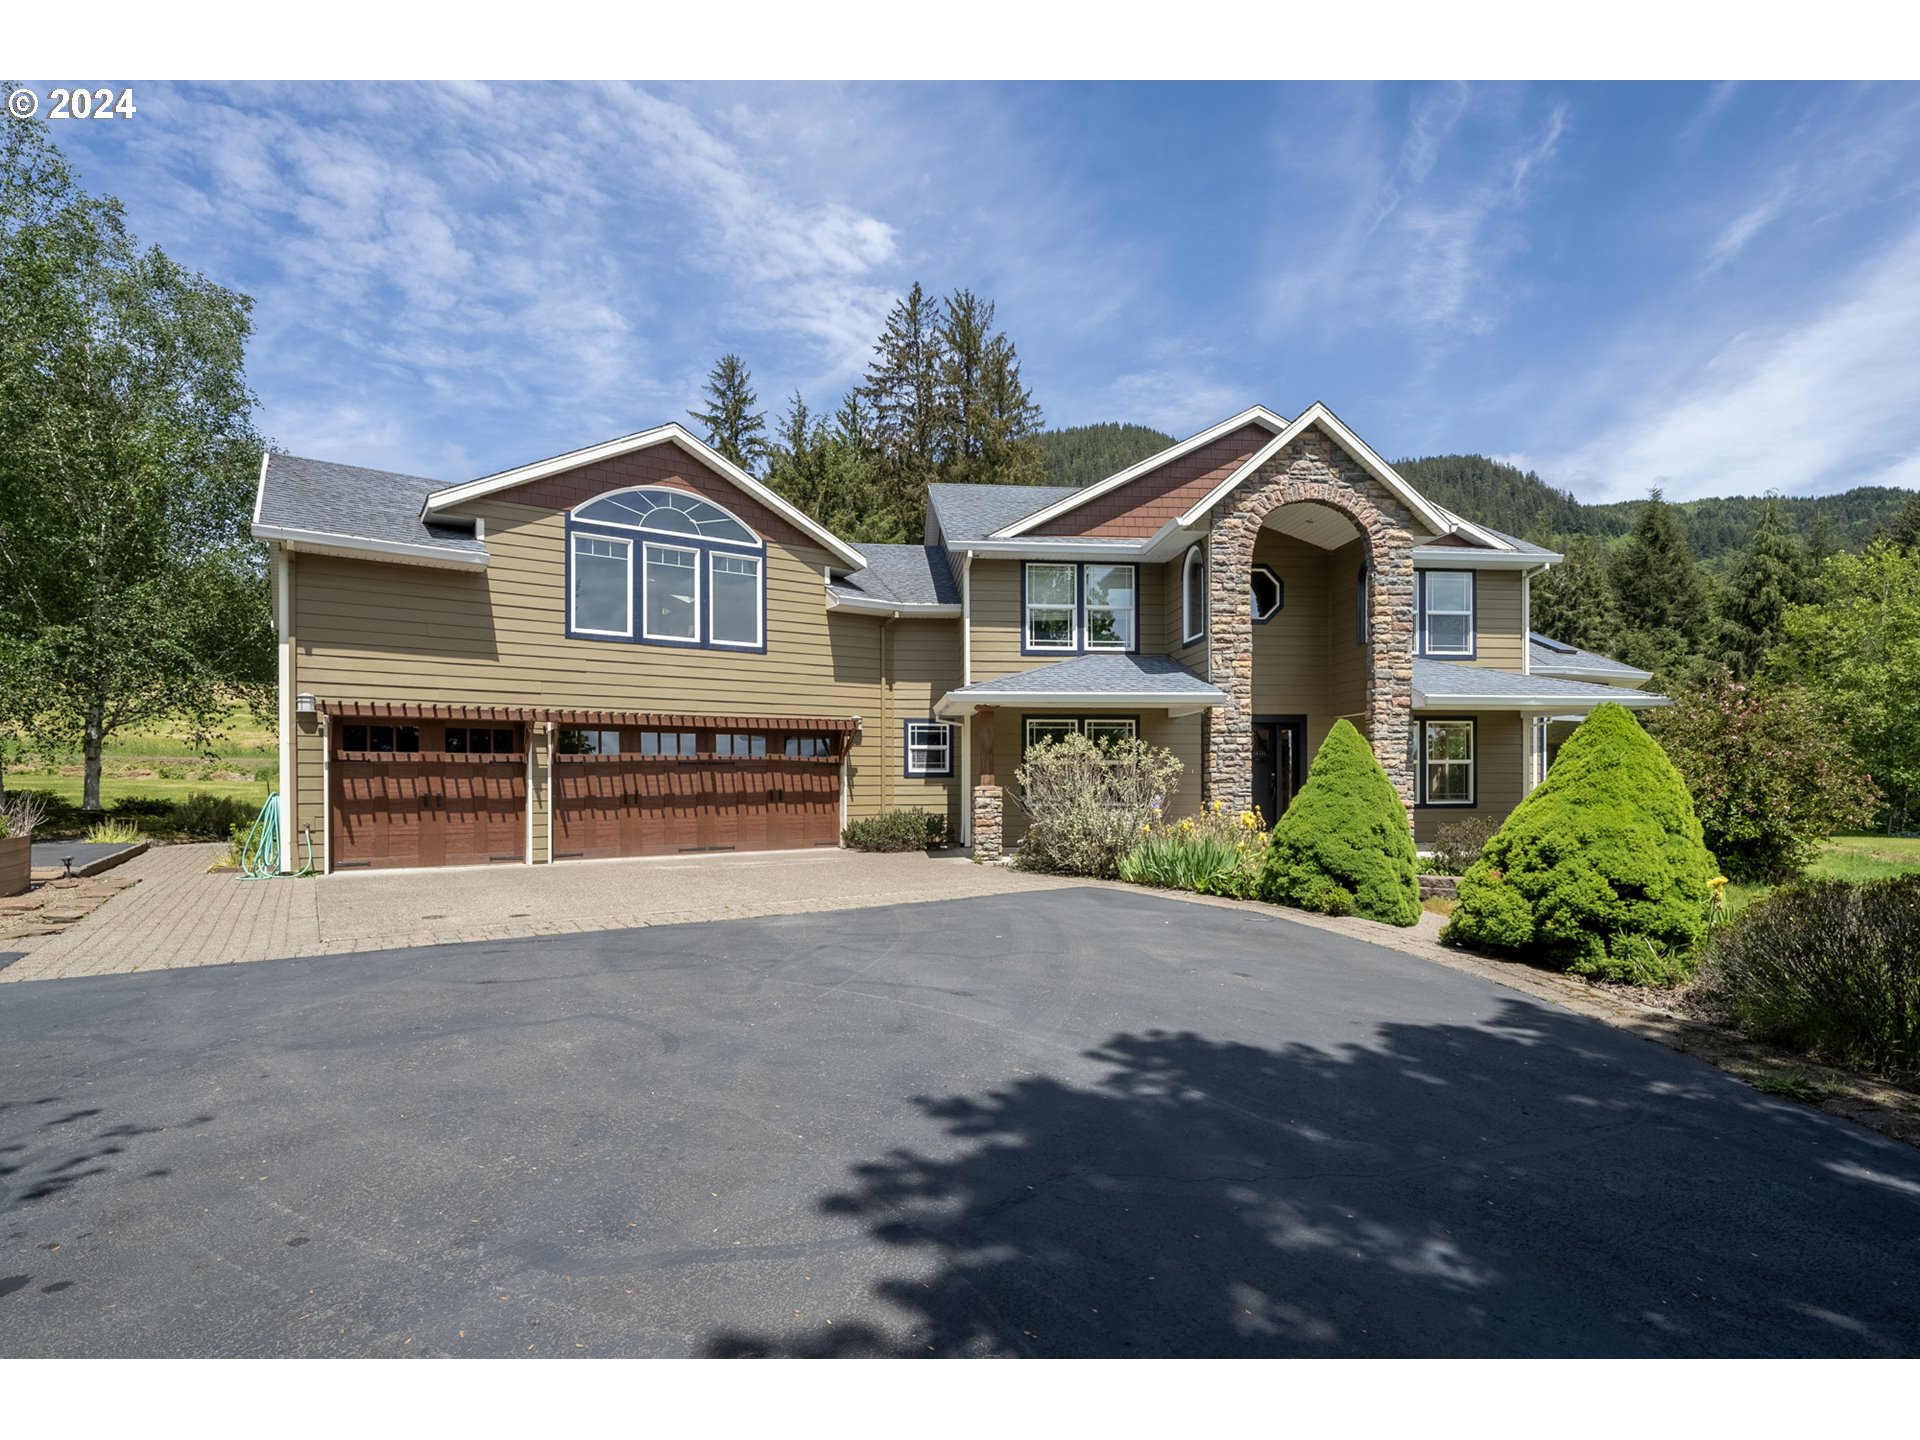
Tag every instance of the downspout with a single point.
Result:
(886, 710)
(283, 606)
(966, 679)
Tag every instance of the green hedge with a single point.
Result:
(897, 830)
(1601, 870)
(1344, 846)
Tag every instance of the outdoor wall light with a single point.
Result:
(305, 704)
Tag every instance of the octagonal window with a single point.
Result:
(1268, 593)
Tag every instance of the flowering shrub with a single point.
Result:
(1086, 801)
(1771, 774)
(1458, 844)
(1212, 853)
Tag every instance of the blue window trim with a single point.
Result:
(1080, 646)
(705, 549)
(1472, 652)
(1421, 802)
(1279, 584)
(906, 750)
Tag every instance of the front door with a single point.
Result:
(1277, 752)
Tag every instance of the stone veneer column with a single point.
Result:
(987, 811)
(1311, 468)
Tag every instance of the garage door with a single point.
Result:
(398, 803)
(710, 791)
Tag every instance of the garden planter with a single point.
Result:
(16, 864)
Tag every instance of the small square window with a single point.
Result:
(739, 745)
(929, 748)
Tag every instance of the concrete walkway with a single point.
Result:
(181, 915)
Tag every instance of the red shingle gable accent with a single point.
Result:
(1141, 506)
(661, 464)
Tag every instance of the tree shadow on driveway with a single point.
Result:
(1531, 1185)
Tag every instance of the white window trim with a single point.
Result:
(1133, 726)
(1427, 612)
(1189, 631)
(945, 747)
(1131, 610)
(1077, 724)
(759, 600)
(1280, 592)
(693, 570)
(573, 588)
(1072, 607)
(1050, 722)
(1472, 762)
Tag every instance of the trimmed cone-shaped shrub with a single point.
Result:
(1344, 846)
(1601, 870)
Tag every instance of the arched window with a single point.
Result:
(654, 507)
(701, 584)
(1193, 595)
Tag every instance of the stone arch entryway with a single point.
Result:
(1311, 468)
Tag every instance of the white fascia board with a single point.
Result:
(1453, 557)
(1253, 415)
(1629, 699)
(672, 433)
(866, 605)
(1066, 548)
(1618, 679)
(958, 702)
(321, 542)
(260, 490)
(1424, 510)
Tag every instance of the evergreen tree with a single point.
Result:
(904, 388)
(1663, 598)
(731, 423)
(1903, 531)
(1822, 541)
(1770, 575)
(1082, 454)
(1573, 602)
(1012, 420)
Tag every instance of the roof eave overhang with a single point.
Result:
(867, 605)
(1628, 699)
(961, 702)
(1619, 679)
(357, 547)
(1253, 415)
(1170, 536)
(1449, 557)
(671, 433)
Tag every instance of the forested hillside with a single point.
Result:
(1082, 454)
(1521, 503)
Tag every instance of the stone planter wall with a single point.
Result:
(1439, 887)
(16, 864)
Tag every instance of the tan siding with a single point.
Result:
(1173, 620)
(309, 757)
(1346, 656)
(923, 663)
(371, 631)
(1290, 672)
(1499, 621)
(1499, 774)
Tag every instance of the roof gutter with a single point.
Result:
(324, 542)
(959, 702)
(891, 609)
(1628, 699)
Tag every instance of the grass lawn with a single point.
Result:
(1846, 857)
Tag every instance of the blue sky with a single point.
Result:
(1713, 288)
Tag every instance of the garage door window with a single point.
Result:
(462, 740)
(666, 742)
(381, 739)
(808, 747)
(589, 742)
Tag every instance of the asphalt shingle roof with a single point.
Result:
(973, 512)
(1442, 682)
(1552, 654)
(330, 499)
(1097, 675)
(903, 574)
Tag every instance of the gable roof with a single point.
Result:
(672, 433)
(1076, 496)
(309, 504)
(1440, 521)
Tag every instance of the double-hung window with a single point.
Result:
(602, 585)
(1110, 606)
(1446, 612)
(929, 748)
(1052, 607)
(1446, 753)
(672, 593)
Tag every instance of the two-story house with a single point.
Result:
(638, 648)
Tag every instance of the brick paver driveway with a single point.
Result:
(1077, 1121)
(181, 915)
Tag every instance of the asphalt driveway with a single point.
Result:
(1071, 1122)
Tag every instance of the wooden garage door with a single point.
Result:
(610, 805)
(392, 810)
